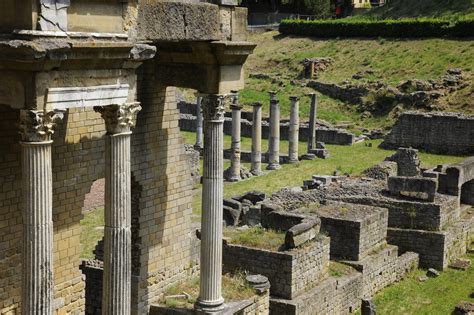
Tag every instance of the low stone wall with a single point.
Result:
(382, 268)
(443, 133)
(354, 229)
(290, 272)
(332, 296)
(93, 271)
(436, 249)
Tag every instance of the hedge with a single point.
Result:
(378, 28)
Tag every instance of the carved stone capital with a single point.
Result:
(119, 118)
(213, 106)
(37, 125)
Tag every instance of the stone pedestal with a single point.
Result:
(256, 157)
(274, 139)
(210, 296)
(36, 128)
(234, 170)
(294, 130)
(312, 122)
(117, 232)
(198, 145)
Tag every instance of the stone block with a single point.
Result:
(254, 196)
(252, 216)
(302, 233)
(280, 220)
(172, 21)
(231, 215)
(422, 188)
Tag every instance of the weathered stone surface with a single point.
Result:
(368, 307)
(231, 215)
(436, 132)
(408, 162)
(194, 163)
(171, 21)
(464, 308)
(251, 216)
(422, 188)
(433, 273)
(461, 264)
(382, 170)
(280, 220)
(254, 196)
(302, 233)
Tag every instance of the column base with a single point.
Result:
(257, 172)
(208, 307)
(308, 156)
(233, 179)
(272, 167)
(293, 161)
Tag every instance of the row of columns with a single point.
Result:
(274, 137)
(36, 128)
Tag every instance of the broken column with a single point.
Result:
(210, 295)
(36, 128)
(119, 119)
(234, 170)
(274, 139)
(256, 168)
(198, 144)
(294, 130)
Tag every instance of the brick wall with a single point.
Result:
(290, 272)
(445, 133)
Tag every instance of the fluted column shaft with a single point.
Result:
(312, 122)
(116, 295)
(198, 144)
(294, 130)
(274, 139)
(36, 128)
(210, 296)
(235, 146)
(256, 155)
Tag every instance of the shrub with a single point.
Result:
(378, 28)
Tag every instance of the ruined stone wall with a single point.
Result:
(332, 296)
(289, 273)
(443, 133)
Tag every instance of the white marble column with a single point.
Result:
(210, 296)
(198, 144)
(116, 296)
(294, 130)
(312, 122)
(235, 145)
(274, 138)
(36, 128)
(256, 157)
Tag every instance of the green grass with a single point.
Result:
(392, 61)
(346, 159)
(92, 231)
(256, 237)
(435, 296)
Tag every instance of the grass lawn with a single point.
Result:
(92, 231)
(257, 237)
(435, 296)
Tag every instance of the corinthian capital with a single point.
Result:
(38, 125)
(119, 118)
(213, 106)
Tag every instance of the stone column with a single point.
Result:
(198, 145)
(210, 296)
(294, 130)
(234, 175)
(274, 139)
(312, 122)
(36, 128)
(117, 232)
(256, 166)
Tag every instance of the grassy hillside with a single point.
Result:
(450, 9)
(390, 60)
